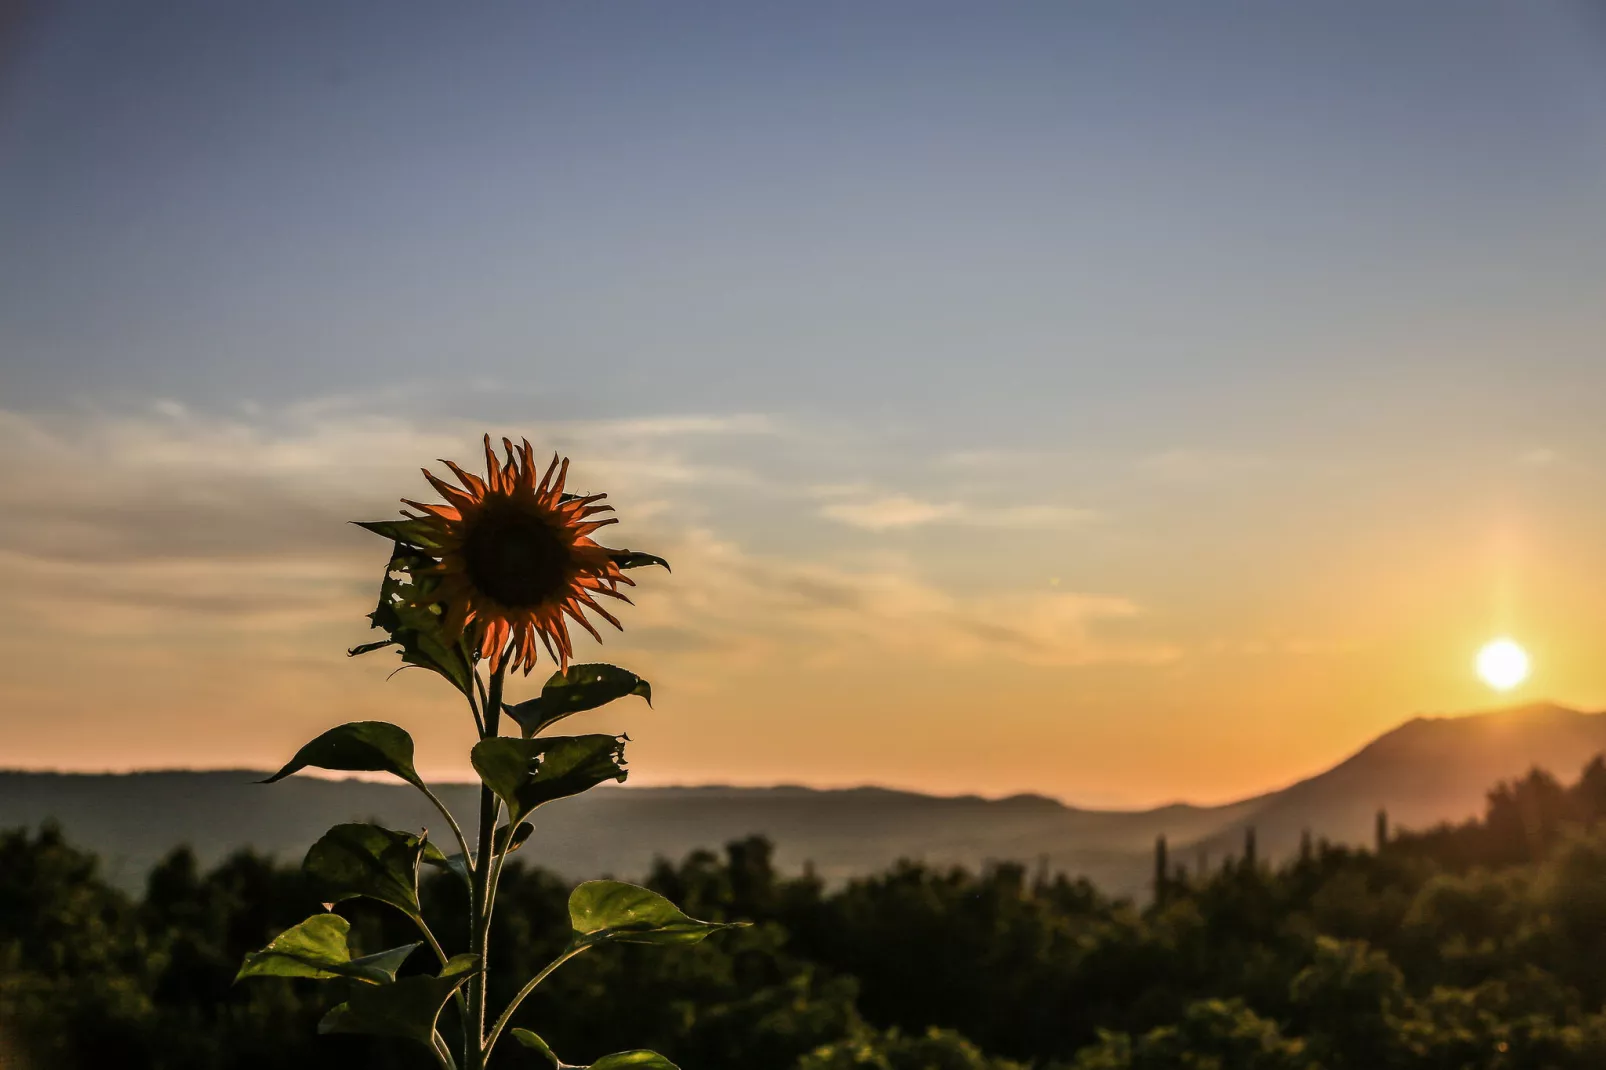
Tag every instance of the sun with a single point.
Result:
(1502, 664)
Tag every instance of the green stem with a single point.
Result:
(506, 1015)
(457, 831)
(443, 1055)
(479, 913)
(440, 953)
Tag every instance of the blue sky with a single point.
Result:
(1178, 310)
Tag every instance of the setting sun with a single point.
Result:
(1502, 664)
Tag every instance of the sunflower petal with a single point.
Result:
(527, 473)
(493, 471)
(458, 498)
(444, 512)
(475, 485)
(573, 610)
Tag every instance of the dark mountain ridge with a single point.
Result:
(1428, 770)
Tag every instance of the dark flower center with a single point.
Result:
(518, 559)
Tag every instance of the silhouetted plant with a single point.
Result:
(472, 587)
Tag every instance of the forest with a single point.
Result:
(1481, 945)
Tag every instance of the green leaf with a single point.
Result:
(368, 648)
(524, 773)
(581, 687)
(415, 625)
(357, 747)
(520, 834)
(636, 559)
(419, 534)
(620, 1060)
(317, 948)
(531, 1040)
(615, 912)
(366, 860)
(409, 1008)
(642, 1059)
(456, 863)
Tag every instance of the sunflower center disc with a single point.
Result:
(516, 558)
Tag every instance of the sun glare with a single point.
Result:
(1502, 664)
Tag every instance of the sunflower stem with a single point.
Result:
(440, 953)
(457, 831)
(480, 908)
(485, 702)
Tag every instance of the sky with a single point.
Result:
(1124, 403)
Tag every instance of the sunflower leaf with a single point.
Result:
(641, 1059)
(408, 1008)
(524, 773)
(415, 625)
(317, 948)
(637, 559)
(620, 913)
(453, 863)
(579, 688)
(369, 861)
(368, 648)
(534, 1041)
(619, 1060)
(357, 747)
(419, 534)
(456, 863)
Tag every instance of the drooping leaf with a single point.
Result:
(581, 687)
(451, 863)
(366, 860)
(642, 1060)
(357, 747)
(637, 559)
(419, 534)
(524, 773)
(456, 863)
(317, 948)
(615, 912)
(369, 648)
(408, 1008)
(414, 624)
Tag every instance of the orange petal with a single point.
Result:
(579, 619)
(493, 483)
(527, 475)
(512, 462)
(547, 479)
(546, 641)
(450, 493)
(475, 485)
(563, 476)
(445, 512)
(585, 598)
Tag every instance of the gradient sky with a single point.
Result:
(1121, 402)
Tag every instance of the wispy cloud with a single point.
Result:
(169, 483)
(1199, 465)
(895, 511)
(123, 522)
(725, 600)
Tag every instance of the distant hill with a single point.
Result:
(1429, 769)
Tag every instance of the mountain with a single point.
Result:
(1427, 770)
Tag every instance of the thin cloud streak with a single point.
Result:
(169, 520)
(896, 511)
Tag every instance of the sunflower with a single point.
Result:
(515, 557)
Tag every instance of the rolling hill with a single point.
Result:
(1427, 770)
